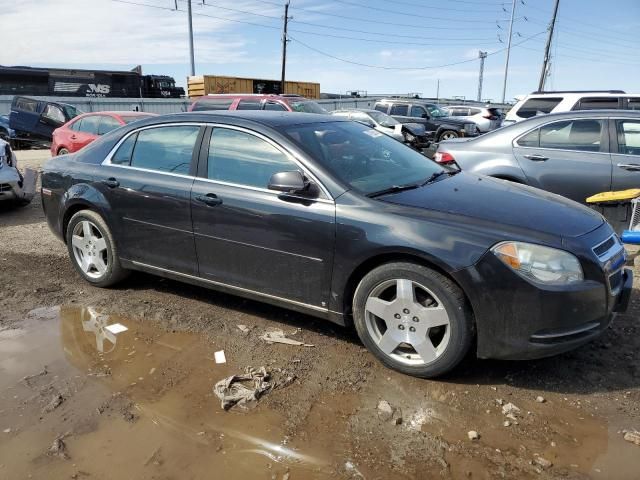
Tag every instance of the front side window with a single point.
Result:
(26, 105)
(165, 149)
(54, 113)
(401, 110)
(417, 111)
(365, 159)
(107, 124)
(90, 124)
(628, 136)
(244, 159)
(581, 135)
(538, 106)
(381, 107)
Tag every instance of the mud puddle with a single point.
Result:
(134, 404)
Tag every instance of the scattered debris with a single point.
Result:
(510, 409)
(232, 392)
(540, 399)
(35, 375)
(542, 462)
(473, 435)
(6, 430)
(220, 357)
(152, 371)
(58, 449)
(53, 404)
(278, 336)
(385, 410)
(507, 423)
(116, 328)
(243, 328)
(632, 437)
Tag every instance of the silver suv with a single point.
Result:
(486, 118)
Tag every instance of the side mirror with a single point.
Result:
(288, 182)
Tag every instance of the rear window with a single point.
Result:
(538, 106)
(212, 104)
(597, 103)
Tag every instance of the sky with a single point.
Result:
(377, 46)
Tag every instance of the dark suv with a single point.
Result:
(438, 124)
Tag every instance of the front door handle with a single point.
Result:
(210, 199)
(537, 158)
(633, 167)
(111, 182)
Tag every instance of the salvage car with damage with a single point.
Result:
(14, 186)
(329, 217)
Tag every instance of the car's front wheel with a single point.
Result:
(92, 249)
(448, 135)
(413, 319)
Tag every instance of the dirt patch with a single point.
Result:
(145, 401)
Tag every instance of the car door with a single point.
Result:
(567, 157)
(87, 132)
(625, 153)
(257, 239)
(147, 184)
(419, 114)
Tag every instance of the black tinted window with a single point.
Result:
(212, 104)
(123, 154)
(583, 135)
(417, 111)
(634, 104)
(166, 149)
(628, 136)
(249, 105)
(107, 124)
(598, 103)
(531, 139)
(90, 124)
(401, 110)
(244, 159)
(538, 106)
(382, 108)
(26, 105)
(274, 106)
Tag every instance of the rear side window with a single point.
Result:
(123, 154)
(581, 135)
(212, 104)
(90, 124)
(249, 105)
(401, 110)
(628, 136)
(458, 112)
(107, 124)
(474, 111)
(75, 126)
(538, 106)
(26, 105)
(382, 108)
(634, 104)
(597, 103)
(165, 149)
(244, 159)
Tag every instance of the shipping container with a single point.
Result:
(200, 85)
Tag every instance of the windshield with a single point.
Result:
(435, 111)
(307, 106)
(70, 111)
(383, 119)
(367, 160)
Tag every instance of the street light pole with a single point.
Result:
(193, 62)
(482, 55)
(284, 47)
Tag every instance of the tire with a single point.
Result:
(447, 135)
(96, 259)
(443, 331)
(63, 151)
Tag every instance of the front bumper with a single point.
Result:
(517, 320)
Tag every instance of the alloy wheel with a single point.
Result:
(90, 249)
(407, 321)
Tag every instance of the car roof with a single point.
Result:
(264, 117)
(421, 101)
(587, 114)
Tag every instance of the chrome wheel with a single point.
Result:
(448, 136)
(90, 249)
(407, 322)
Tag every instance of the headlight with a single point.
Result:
(540, 264)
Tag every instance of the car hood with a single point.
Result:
(501, 202)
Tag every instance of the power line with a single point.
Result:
(382, 67)
(481, 3)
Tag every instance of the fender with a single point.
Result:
(78, 197)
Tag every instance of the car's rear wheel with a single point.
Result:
(413, 319)
(63, 151)
(448, 135)
(92, 249)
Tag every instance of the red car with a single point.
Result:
(246, 101)
(85, 128)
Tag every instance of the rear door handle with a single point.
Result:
(73, 137)
(634, 167)
(111, 182)
(210, 199)
(537, 158)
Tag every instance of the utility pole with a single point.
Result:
(438, 91)
(193, 61)
(481, 55)
(545, 63)
(506, 64)
(284, 47)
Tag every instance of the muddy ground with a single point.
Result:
(79, 402)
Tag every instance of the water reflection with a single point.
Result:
(96, 323)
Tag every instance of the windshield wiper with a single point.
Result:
(393, 189)
(437, 175)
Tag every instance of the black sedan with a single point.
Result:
(332, 218)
